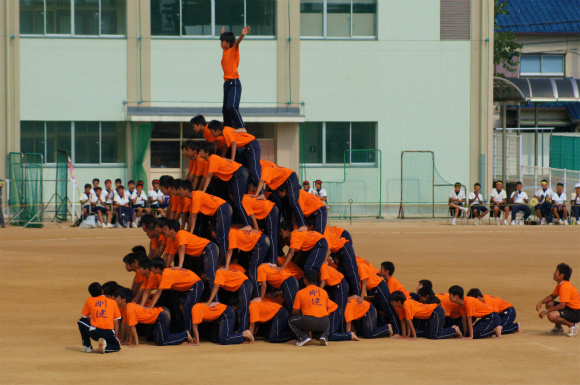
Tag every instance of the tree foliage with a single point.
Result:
(505, 50)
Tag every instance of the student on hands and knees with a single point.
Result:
(223, 317)
(567, 310)
(366, 315)
(482, 320)
(506, 311)
(273, 314)
(310, 242)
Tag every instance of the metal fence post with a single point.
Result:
(350, 201)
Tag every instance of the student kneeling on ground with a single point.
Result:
(567, 311)
(482, 320)
(103, 324)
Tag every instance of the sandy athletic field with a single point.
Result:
(44, 275)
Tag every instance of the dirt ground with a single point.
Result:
(44, 275)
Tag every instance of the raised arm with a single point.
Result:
(245, 31)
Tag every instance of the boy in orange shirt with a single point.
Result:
(310, 311)
(272, 314)
(131, 262)
(244, 148)
(265, 211)
(311, 243)
(567, 311)
(312, 207)
(482, 320)
(225, 318)
(181, 280)
(234, 281)
(506, 311)
(150, 283)
(270, 274)
(335, 285)
(433, 313)
(387, 271)
(229, 171)
(336, 319)
(367, 314)
(454, 314)
(232, 84)
(103, 324)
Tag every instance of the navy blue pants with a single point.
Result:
(289, 289)
(293, 190)
(89, 333)
(546, 211)
(382, 297)
(483, 327)
(421, 327)
(125, 215)
(449, 321)
(279, 330)
(192, 297)
(239, 185)
(320, 217)
(339, 295)
(346, 235)
(226, 328)
(576, 212)
(244, 298)
(223, 221)
(210, 257)
(250, 157)
(369, 325)
(507, 320)
(435, 325)
(316, 256)
(524, 208)
(162, 334)
(334, 334)
(347, 259)
(272, 222)
(258, 256)
(231, 105)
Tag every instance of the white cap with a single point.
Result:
(577, 185)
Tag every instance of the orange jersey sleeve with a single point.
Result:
(452, 310)
(259, 207)
(229, 280)
(244, 240)
(309, 203)
(194, 245)
(475, 308)
(138, 277)
(272, 276)
(241, 138)
(312, 301)
(201, 167)
(568, 294)
(263, 311)
(152, 282)
(192, 167)
(177, 279)
(205, 203)
(137, 314)
(201, 312)
(293, 268)
(354, 310)
(222, 168)
(496, 303)
(335, 230)
(335, 243)
(273, 175)
(365, 272)
(332, 306)
(154, 243)
(329, 274)
(304, 240)
(413, 309)
(230, 63)
(175, 201)
(103, 312)
(395, 285)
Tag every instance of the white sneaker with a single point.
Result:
(99, 224)
(543, 221)
(324, 341)
(565, 223)
(514, 223)
(126, 225)
(463, 208)
(477, 221)
(572, 330)
(573, 221)
(453, 222)
(102, 346)
(307, 340)
(555, 330)
(551, 224)
(497, 221)
(87, 349)
(134, 225)
(522, 222)
(560, 222)
(505, 223)
(104, 225)
(110, 225)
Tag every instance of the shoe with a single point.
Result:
(477, 221)
(324, 341)
(87, 349)
(453, 223)
(572, 330)
(110, 225)
(551, 224)
(565, 223)
(560, 222)
(555, 331)
(463, 208)
(134, 225)
(104, 225)
(505, 223)
(102, 346)
(302, 343)
(126, 225)
(543, 221)
(522, 222)
(514, 223)
(497, 221)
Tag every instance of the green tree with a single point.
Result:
(505, 50)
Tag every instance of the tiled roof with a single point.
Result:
(541, 16)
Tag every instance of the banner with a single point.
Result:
(72, 172)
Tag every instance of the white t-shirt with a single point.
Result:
(543, 194)
(575, 199)
(520, 196)
(121, 201)
(84, 199)
(499, 196)
(156, 195)
(478, 200)
(108, 198)
(321, 192)
(130, 194)
(139, 198)
(457, 195)
(559, 199)
(95, 198)
(93, 191)
(312, 191)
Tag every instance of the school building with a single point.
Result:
(332, 88)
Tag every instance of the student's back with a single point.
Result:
(312, 301)
(103, 311)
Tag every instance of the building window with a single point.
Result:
(338, 19)
(73, 17)
(334, 143)
(205, 18)
(542, 65)
(94, 143)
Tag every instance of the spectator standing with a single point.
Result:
(321, 192)
(1, 213)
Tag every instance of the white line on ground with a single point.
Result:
(552, 348)
(61, 239)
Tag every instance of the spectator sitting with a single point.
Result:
(575, 202)
(306, 187)
(85, 200)
(544, 206)
(99, 205)
(124, 211)
(559, 202)
(519, 199)
(139, 200)
(457, 201)
(478, 210)
(499, 202)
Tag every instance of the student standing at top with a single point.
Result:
(232, 85)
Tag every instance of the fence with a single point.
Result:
(25, 194)
(531, 177)
(514, 143)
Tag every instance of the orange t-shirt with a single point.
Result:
(567, 293)
(332, 306)
(236, 267)
(154, 243)
(312, 301)
(170, 247)
(335, 243)
(304, 240)
(413, 309)
(241, 138)
(137, 314)
(259, 207)
(354, 310)
(201, 169)
(329, 274)
(335, 230)
(194, 245)
(293, 268)
(151, 282)
(175, 201)
(184, 205)
(229, 280)
(177, 279)
(496, 303)
(362, 260)
(272, 276)
(366, 272)
(162, 239)
(192, 167)
(205, 203)
(274, 175)
(230, 63)
(210, 138)
(395, 285)
(263, 311)
(309, 203)
(138, 277)
(476, 308)
(244, 240)
(103, 312)
(203, 313)
(221, 167)
(452, 310)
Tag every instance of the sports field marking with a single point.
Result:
(553, 349)
(61, 239)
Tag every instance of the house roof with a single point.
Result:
(573, 108)
(541, 16)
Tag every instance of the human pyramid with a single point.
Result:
(216, 268)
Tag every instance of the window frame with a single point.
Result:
(72, 26)
(544, 74)
(338, 165)
(214, 36)
(325, 26)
